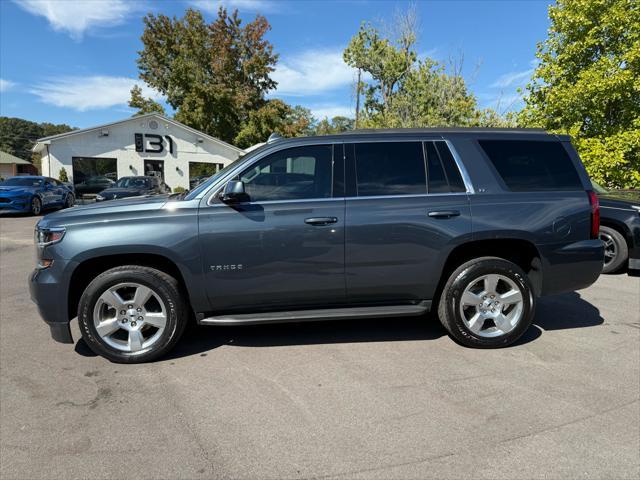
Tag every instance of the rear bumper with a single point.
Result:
(571, 267)
(50, 296)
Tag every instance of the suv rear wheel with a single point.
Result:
(132, 314)
(487, 302)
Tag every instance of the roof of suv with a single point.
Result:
(471, 131)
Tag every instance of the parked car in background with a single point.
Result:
(133, 187)
(620, 229)
(33, 194)
(475, 224)
(93, 185)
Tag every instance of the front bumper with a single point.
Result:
(50, 296)
(571, 267)
(15, 204)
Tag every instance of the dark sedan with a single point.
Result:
(133, 187)
(620, 229)
(93, 185)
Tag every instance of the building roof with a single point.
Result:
(41, 142)
(7, 158)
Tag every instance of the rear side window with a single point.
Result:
(442, 172)
(390, 168)
(528, 166)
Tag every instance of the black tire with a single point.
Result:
(167, 289)
(69, 201)
(465, 275)
(36, 206)
(616, 250)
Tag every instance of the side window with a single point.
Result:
(456, 184)
(442, 172)
(437, 178)
(527, 166)
(390, 168)
(291, 174)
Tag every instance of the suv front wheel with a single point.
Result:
(487, 303)
(132, 314)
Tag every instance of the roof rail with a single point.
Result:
(274, 137)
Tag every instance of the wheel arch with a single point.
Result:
(520, 251)
(620, 227)
(88, 269)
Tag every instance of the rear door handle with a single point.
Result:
(444, 214)
(320, 220)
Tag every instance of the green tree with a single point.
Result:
(337, 124)
(214, 75)
(62, 176)
(144, 105)
(275, 116)
(405, 92)
(587, 84)
(18, 136)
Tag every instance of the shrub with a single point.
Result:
(62, 176)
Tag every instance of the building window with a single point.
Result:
(92, 175)
(201, 170)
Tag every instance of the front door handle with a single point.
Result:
(320, 220)
(444, 214)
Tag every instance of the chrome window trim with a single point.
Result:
(408, 195)
(277, 202)
(461, 168)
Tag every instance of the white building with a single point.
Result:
(144, 145)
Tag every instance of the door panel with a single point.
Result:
(395, 250)
(284, 248)
(265, 256)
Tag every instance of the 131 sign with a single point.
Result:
(154, 143)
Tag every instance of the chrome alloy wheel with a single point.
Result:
(610, 248)
(130, 317)
(491, 305)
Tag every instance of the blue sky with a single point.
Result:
(73, 61)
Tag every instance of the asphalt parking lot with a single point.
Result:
(391, 398)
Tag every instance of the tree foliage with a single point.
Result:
(337, 124)
(587, 84)
(214, 75)
(62, 175)
(144, 105)
(406, 92)
(274, 116)
(18, 136)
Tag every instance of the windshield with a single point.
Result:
(133, 182)
(22, 182)
(207, 183)
(598, 188)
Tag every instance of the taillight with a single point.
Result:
(595, 214)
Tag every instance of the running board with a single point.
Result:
(317, 315)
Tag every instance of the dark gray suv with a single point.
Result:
(475, 224)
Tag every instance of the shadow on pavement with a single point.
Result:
(553, 313)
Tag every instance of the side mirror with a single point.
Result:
(234, 192)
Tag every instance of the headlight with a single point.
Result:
(99, 198)
(47, 236)
(636, 208)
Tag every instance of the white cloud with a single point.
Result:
(517, 79)
(211, 6)
(90, 93)
(329, 111)
(6, 85)
(77, 16)
(312, 72)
